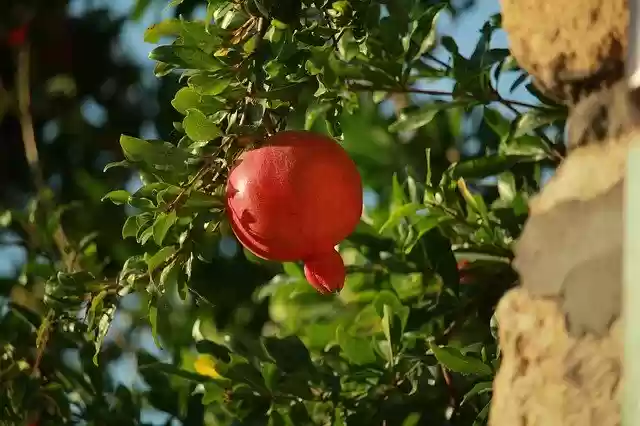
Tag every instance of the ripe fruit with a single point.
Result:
(18, 36)
(463, 270)
(295, 198)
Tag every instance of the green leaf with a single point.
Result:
(416, 119)
(123, 163)
(213, 394)
(199, 128)
(117, 197)
(187, 98)
(104, 323)
(6, 217)
(497, 122)
(400, 213)
(95, 309)
(169, 276)
(531, 147)
(398, 196)
(536, 118)
(135, 149)
(475, 202)
(482, 167)
(153, 321)
(356, 349)
(387, 304)
(166, 28)
(314, 112)
(425, 224)
(450, 44)
(162, 224)
(289, 353)
(130, 227)
(392, 339)
(412, 419)
(240, 371)
(159, 314)
(208, 84)
(139, 9)
(187, 57)
(276, 419)
(174, 370)
(153, 262)
(218, 351)
(507, 186)
(426, 26)
(158, 155)
(455, 361)
(478, 389)
(482, 416)
(293, 269)
(197, 199)
(142, 203)
(270, 374)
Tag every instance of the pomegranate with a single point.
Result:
(294, 198)
(463, 270)
(18, 36)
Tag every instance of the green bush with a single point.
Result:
(411, 339)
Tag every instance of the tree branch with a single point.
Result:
(31, 149)
(365, 88)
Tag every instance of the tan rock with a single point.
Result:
(571, 246)
(570, 48)
(549, 377)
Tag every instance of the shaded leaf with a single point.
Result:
(356, 349)
(478, 389)
(455, 361)
(173, 371)
(162, 224)
(289, 353)
(130, 227)
(153, 262)
(186, 57)
(408, 121)
(119, 196)
(199, 128)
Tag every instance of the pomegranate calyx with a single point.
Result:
(325, 272)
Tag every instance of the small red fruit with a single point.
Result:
(295, 198)
(463, 270)
(18, 36)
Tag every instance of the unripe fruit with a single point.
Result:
(295, 198)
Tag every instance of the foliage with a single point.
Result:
(410, 340)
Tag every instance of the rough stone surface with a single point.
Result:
(549, 377)
(570, 48)
(572, 242)
(574, 251)
(560, 332)
(602, 116)
(586, 173)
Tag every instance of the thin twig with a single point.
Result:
(26, 121)
(365, 88)
(438, 61)
(448, 380)
(23, 75)
(31, 148)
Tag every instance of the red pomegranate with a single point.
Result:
(18, 36)
(295, 198)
